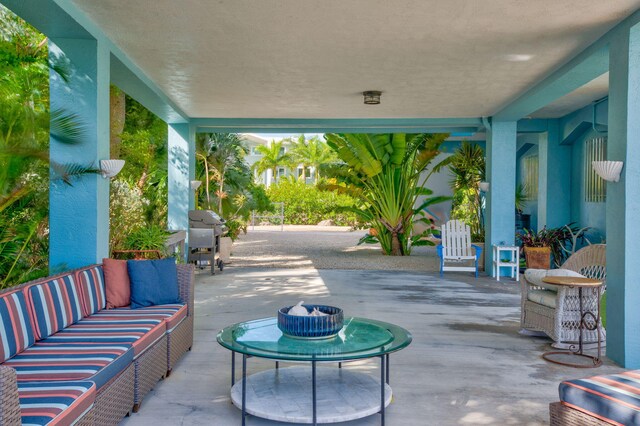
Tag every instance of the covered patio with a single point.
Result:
(511, 75)
(467, 364)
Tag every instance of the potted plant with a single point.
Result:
(540, 247)
(537, 251)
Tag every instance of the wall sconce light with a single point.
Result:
(484, 186)
(371, 97)
(608, 170)
(195, 184)
(110, 168)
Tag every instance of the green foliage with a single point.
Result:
(24, 139)
(150, 237)
(385, 173)
(235, 227)
(467, 165)
(138, 200)
(228, 182)
(307, 205)
(126, 212)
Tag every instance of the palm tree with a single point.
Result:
(273, 156)
(386, 174)
(220, 153)
(311, 153)
(468, 170)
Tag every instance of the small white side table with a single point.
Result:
(513, 262)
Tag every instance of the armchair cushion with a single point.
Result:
(535, 276)
(16, 331)
(543, 297)
(153, 282)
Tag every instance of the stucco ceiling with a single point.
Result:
(594, 90)
(311, 59)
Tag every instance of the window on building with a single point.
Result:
(595, 188)
(281, 171)
(530, 177)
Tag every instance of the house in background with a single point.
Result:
(253, 141)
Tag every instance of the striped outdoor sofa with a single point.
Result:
(65, 359)
(599, 400)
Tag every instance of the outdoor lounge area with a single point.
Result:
(467, 364)
(458, 143)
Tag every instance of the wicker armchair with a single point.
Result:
(562, 323)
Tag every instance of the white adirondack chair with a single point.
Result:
(456, 248)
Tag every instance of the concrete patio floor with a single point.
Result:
(467, 364)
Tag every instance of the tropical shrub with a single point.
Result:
(468, 169)
(126, 212)
(307, 205)
(386, 173)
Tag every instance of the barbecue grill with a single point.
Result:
(205, 230)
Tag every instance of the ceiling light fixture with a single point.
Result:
(371, 97)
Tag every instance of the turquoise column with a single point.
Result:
(181, 171)
(500, 221)
(79, 214)
(623, 202)
(554, 178)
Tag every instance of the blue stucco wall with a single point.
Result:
(585, 213)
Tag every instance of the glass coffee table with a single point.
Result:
(337, 394)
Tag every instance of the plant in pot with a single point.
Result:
(540, 247)
(537, 251)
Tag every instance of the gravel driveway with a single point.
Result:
(322, 247)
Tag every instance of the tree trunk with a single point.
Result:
(396, 247)
(117, 109)
(220, 194)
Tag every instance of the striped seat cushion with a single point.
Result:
(94, 330)
(44, 362)
(54, 304)
(16, 331)
(59, 403)
(171, 314)
(614, 398)
(91, 282)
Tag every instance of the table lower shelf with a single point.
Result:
(285, 395)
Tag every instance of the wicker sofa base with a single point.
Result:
(88, 419)
(115, 400)
(150, 367)
(561, 415)
(180, 341)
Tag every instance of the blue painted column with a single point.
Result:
(500, 221)
(181, 172)
(623, 202)
(554, 178)
(79, 214)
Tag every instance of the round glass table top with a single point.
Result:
(359, 338)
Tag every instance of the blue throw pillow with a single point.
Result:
(153, 282)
